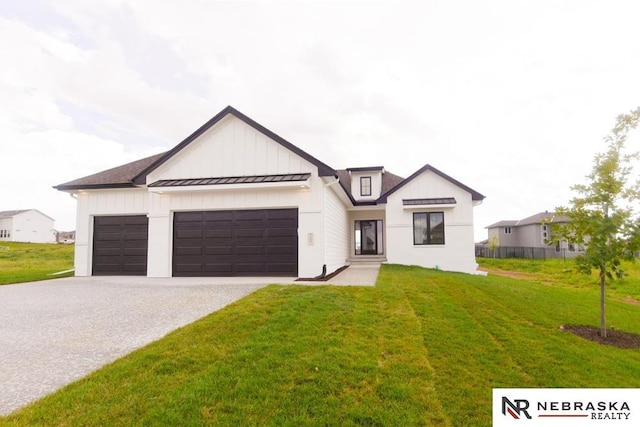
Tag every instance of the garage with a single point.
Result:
(236, 243)
(120, 245)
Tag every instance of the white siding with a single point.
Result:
(457, 254)
(231, 148)
(376, 184)
(336, 231)
(34, 227)
(6, 224)
(102, 202)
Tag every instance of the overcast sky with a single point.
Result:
(512, 98)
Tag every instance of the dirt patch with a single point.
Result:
(614, 337)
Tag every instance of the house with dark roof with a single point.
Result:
(535, 231)
(26, 225)
(236, 199)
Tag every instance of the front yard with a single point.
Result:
(26, 262)
(423, 347)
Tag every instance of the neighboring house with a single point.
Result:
(66, 237)
(29, 225)
(535, 231)
(235, 199)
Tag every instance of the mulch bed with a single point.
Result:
(614, 337)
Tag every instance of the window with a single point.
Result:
(365, 185)
(507, 230)
(428, 228)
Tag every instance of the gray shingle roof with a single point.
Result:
(134, 174)
(11, 214)
(118, 177)
(533, 219)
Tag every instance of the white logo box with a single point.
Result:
(566, 407)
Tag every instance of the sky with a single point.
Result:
(511, 98)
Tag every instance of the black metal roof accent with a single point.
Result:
(432, 201)
(256, 179)
(364, 169)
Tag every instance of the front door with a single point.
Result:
(368, 237)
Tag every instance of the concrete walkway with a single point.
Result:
(57, 331)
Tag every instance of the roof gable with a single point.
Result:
(474, 194)
(323, 169)
(14, 213)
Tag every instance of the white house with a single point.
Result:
(29, 225)
(235, 199)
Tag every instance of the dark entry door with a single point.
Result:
(120, 245)
(236, 243)
(368, 236)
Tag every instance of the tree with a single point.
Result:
(602, 217)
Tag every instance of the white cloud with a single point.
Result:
(511, 98)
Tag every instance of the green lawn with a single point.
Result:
(563, 273)
(26, 262)
(423, 347)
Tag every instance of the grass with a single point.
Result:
(27, 262)
(563, 273)
(423, 347)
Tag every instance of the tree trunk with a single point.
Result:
(603, 281)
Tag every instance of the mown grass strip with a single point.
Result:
(485, 332)
(282, 356)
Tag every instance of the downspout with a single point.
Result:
(324, 226)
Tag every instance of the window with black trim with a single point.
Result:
(365, 185)
(428, 228)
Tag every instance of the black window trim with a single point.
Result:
(428, 214)
(362, 180)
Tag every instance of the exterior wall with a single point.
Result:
(34, 227)
(505, 239)
(530, 236)
(102, 202)
(6, 224)
(233, 148)
(336, 230)
(457, 254)
(376, 185)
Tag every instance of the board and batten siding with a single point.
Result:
(231, 148)
(336, 231)
(98, 203)
(457, 254)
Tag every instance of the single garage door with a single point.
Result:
(120, 245)
(236, 243)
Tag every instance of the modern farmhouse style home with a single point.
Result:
(235, 199)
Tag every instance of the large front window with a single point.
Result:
(368, 237)
(428, 228)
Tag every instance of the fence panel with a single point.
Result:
(511, 252)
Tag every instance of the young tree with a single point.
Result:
(601, 216)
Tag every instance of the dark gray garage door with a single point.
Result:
(236, 243)
(120, 245)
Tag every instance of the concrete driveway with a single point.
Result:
(57, 331)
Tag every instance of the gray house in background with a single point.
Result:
(535, 231)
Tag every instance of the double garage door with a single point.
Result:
(210, 243)
(236, 243)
